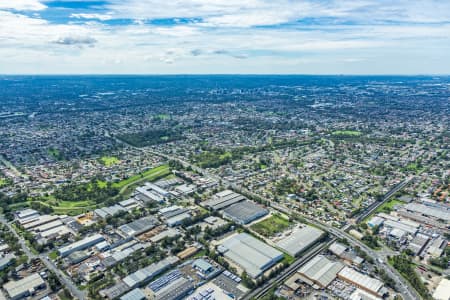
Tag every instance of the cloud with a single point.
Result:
(22, 5)
(101, 17)
(76, 41)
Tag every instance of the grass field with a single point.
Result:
(271, 226)
(109, 160)
(150, 175)
(346, 133)
(385, 207)
(3, 182)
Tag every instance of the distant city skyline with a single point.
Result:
(224, 37)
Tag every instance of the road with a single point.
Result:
(64, 279)
(407, 291)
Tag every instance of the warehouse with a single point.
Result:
(320, 271)
(149, 272)
(223, 199)
(175, 215)
(342, 251)
(172, 286)
(440, 212)
(81, 245)
(24, 287)
(40, 221)
(364, 282)
(245, 212)
(6, 260)
(27, 215)
(135, 294)
(139, 226)
(418, 243)
(300, 239)
(251, 254)
(108, 211)
(401, 226)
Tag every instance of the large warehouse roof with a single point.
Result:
(21, 287)
(245, 212)
(321, 270)
(149, 272)
(363, 281)
(139, 226)
(223, 199)
(426, 210)
(300, 239)
(250, 253)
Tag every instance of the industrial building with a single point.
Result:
(300, 239)
(223, 199)
(6, 260)
(24, 287)
(136, 294)
(175, 215)
(149, 272)
(81, 245)
(254, 256)
(139, 226)
(320, 271)
(27, 215)
(400, 225)
(343, 252)
(442, 291)
(172, 286)
(364, 282)
(244, 212)
(418, 243)
(151, 193)
(108, 211)
(435, 211)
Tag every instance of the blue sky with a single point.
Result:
(224, 36)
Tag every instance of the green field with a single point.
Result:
(271, 226)
(149, 175)
(385, 207)
(349, 133)
(3, 182)
(109, 160)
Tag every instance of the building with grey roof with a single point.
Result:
(136, 294)
(320, 271)
(245, 212)
(300, 239)
(401, 226)
(6, 260)
(147, 273)
(223, 199)
(139, 226)
(254, 256)
(440, 212)
(172, 286)
(81, 244)
(24, 287)
(364, 282)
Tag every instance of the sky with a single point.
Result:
(224, 37)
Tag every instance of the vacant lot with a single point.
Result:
(271, 226)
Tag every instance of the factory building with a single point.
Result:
(81, 245)
(320, 271)
(254, 256)
(244, 212)
(24, 287)
(223, 199)
(147, 273)
(172, 286)
(300, 239)
(364, 282)
(139, 226)
(435, 211)
(135, 294)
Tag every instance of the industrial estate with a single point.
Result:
(225, 187)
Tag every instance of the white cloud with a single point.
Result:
(22, 5)
(101, 17)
